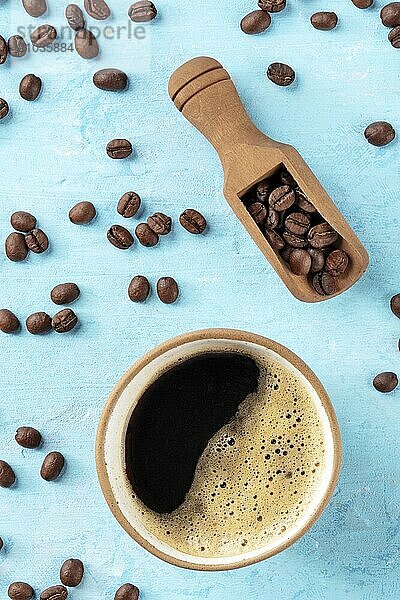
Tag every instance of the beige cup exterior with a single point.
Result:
(110, 443)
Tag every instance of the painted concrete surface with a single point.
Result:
(52, 156)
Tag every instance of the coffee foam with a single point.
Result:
(257, 477)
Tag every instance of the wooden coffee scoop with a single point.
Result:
(204, 93)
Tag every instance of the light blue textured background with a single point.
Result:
(52, 156)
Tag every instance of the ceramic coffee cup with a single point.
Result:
(110, 444)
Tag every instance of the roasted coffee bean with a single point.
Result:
(281, 74)
(28, 437)
(16, 248)
(64, 321)
(128, 591)
(9, 323)
(65, 293)
(394, 37)
(71, 572)
(337, 262)
(20, 591)
(263, 190)
(35, 8)
(119, 148)
(139, 289)
(273, 219)
(23, 221)
(37, 241)
(142, 11)
(324, 20)
(297, 223)
(287, 178)
(129, 204)
(258, 212)
(17, 46)
(300, 262)
(324, 284)
(52, 467)
(322, 235)
(43, 36)
(4, 108)
(363, 3)
(379, 133)
(38, 323)
(192, 221)
(97, 9)
(317, 259)
(274, 239)
(272, 6)
(394, 305)
(385, 382)
(390, 14)
(30, 87)
(74, 17)
(120, 237)
(255, 22)
(303, 203)
(282, 198)
(160, 223)
(82, 213)
(286, 252)
(1, 544)
(86, 44)
(112, 80)
(167, 290)
(296, 241)
(56, 592)
(145, 235)
(3, 50)
(7, 475)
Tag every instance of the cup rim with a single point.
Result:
(175, 342)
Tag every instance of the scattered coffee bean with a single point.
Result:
(139, 289)
(74, 17)
(1, 544)
(275, 240)
(160, 223)
(30, 87)
(119, 148)
(297, 223)
(128, 591)
(43, 36)
(273, 219)
(193, 221)
(86, 44)
(142, 11)
(23, 221)
(9, 323)
(120, 237)
(65, 293)
(324, 284)
(167, 290)
(258, 212)
(38, 323)
(51, 469)
(146, 236)
(281, 74)
(322, 235)
(337, 262)
(7, 475)
(300, 262)
(56, 592)
(255, 22)
(16, 248)
(64, 321)
(272, 6)
(129, 204)
(294, 240)
(379, 133)
(71, 572)
(37, 241)
(304, 203)
(35, 8)
(324, 20)
(20, 591)
(28, 437)
(4, 108)
(395, 305)
(363, 3)
(317, 259)
(385, 382)
(394, 37)
(97, 9)
(390, 14)
(82, 213)
(282, 198)
(3, 50)
(112, 80)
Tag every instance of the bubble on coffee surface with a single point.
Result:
(257, 476)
